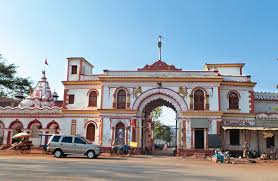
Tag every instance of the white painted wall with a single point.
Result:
(243, 100)
(107, 132)
(73, 77)
(81, 98)
(229, 70)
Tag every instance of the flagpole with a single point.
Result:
(159, 44)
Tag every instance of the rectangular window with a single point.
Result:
(74, 69)
(270, 142)
(79, 141)
(67, 139)
(71, 99)
(56, 138)
(234, 136)
(73, 127)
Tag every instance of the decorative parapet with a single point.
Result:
(159, 66)
(30, 110)
(266, 96)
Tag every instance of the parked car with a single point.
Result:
(63, 145)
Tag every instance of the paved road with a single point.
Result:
(17, 168)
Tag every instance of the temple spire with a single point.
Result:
(159, 44)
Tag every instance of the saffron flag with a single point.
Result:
(45, 62)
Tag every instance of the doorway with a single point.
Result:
(90, 134)
(120, 134)
(199, 138)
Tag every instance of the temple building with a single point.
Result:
(215, 107)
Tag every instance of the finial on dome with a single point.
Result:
(43, 75)
(55, 95)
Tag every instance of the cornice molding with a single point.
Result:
(234, 83)
(160, 79)
(85, 82)
(225, 114)
(99, 111)
(202, 113)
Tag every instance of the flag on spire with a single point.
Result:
(45, 62)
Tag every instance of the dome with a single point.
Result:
(40, 96)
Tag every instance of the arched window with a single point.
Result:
(93, 99)
(35, 130)
(233, 101)
(90, 133)
(121, 99)
(16, 127)
(120, 134)
(199, 100)
(53, 127)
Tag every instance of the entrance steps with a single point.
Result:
(199, 155)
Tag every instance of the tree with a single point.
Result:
(160, 130)
(10, 83)
(156, 113)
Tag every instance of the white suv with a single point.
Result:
(63, 145)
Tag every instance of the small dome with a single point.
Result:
(44, 98)
(55, 95)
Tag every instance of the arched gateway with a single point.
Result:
(151, 99)
(126, 97)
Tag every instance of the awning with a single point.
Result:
(199, 123)
(249, 128)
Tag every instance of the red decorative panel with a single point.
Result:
(251, 102)
(159, 66)
(219, 124)
(133, 122)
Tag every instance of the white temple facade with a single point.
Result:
(211, 105)
(117, 104)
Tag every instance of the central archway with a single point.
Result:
(151, 99)
(166, 94)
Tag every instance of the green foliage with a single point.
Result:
(10, 83)
(156, 113)
(160, 131)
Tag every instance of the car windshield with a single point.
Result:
(84, 139)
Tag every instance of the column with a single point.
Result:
(9, 137)
(113, 134)
(46, 137)
(126, 135)
(184, 134)
(5, 137)
(133, 130)
(192, 139)
(100, 131)
(188, 134)
(138, 132)
(206, 138)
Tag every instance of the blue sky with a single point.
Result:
(122, 35)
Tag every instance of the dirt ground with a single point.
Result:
(139, 167)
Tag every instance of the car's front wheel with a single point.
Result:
(58, 153)
(91, 154)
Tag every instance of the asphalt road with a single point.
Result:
(42, 168)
